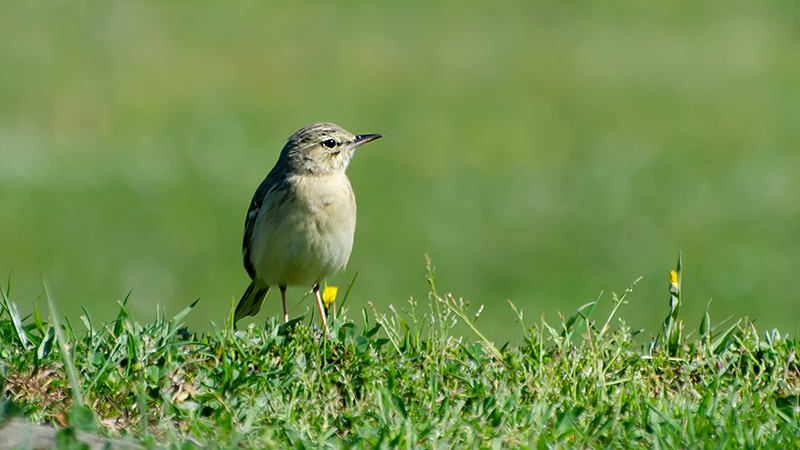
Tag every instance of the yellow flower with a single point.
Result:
(329, 295)
(673, 277)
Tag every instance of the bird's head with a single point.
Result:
(322, 148)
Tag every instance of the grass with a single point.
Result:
(403, 380)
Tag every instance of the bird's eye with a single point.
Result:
(330, 143)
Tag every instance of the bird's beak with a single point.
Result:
(364, 138)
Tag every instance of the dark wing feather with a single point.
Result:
(273, 186)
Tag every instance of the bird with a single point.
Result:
(301, 221)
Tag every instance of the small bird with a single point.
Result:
(300, 225)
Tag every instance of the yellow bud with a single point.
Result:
(329, 295)
(673, 276)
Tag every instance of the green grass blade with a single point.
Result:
(77, 393)
(347, 292)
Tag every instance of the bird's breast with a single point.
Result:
(330, 200)
(310, 235)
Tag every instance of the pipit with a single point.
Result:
(299, 228)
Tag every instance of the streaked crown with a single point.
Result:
(321, 148)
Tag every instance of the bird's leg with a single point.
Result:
(283, 299)
(321, 306)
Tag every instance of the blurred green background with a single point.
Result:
(538, 151)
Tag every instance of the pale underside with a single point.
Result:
(305, 238)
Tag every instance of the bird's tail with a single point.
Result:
(251, 301)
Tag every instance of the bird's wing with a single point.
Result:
(271, 192)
